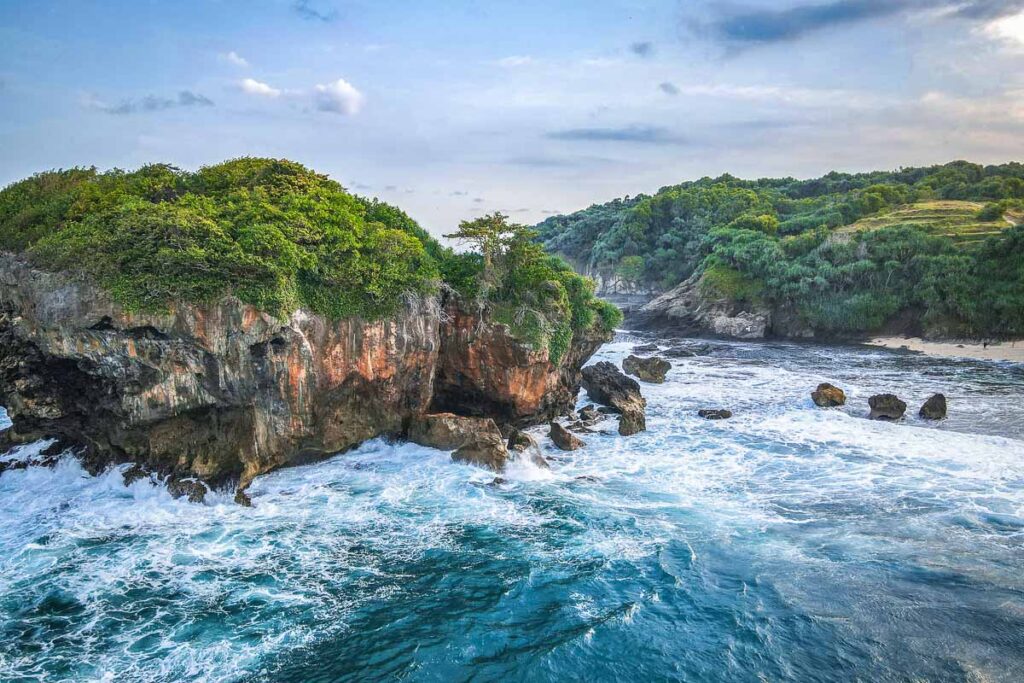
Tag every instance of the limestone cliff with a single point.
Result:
(224, 392)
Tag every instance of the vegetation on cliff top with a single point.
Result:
(276, 235)
(846, 252)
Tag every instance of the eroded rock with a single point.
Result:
(564, 439)
(934, 408)
(651, 369)
(828, 396)
(474, 440)
(188, 487)
(606, 384)
(714, 413)
(886, 407)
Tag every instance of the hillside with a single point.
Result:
(941, 247)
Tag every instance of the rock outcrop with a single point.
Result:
(934, 408)
(690, 308)
(828, 396)
(223, 392)
(651, 369)
(606, 384)
(714, 413)
(886, 407)
(474, 440)
(563, 438)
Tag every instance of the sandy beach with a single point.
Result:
(1007, 350)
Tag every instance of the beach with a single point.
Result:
(1006, 350)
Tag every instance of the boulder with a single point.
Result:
(589, 414)
(651, 369)
(188, 487)
(828, 396)
(645, 348)
(886, 407)
(475, 440)
(525, 445)
(632, 422)
(563, 438)
(714, 413)
(934, 408)
(606, 384)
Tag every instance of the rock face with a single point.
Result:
(224, 392)
(886, 407)
(651, 369)
(563, 438)
(606, 384)
(689, 308)
(828, 396)
(934, 408)
(482, 370)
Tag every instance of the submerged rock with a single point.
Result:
(527, 447)
(714, 413)
(606, 384)
(886, 407)
(645, 348)
(563, 438)
(650, 369)
(934, 408)
(589, 414)
(191, 488)
(828, 396)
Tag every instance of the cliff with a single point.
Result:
(223, 392)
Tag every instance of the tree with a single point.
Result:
(492, 236)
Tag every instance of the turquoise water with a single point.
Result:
(786, 544)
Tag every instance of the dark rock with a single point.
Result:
(194, 489)
(650, 369)
(580, 428)
(934, 408)
(645, 348)
(563, 438)
(242, 498)
(475, 440)
(886, 407)
(134, 474)
(526, 447)
(606, 384)
(715, 413)
(589, 414)
(828, 396)
(632, 422)
(497, 481)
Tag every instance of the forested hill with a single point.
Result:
(846, 251)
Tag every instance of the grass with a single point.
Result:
(955, 219)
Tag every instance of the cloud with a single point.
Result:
(516, 60)
(478, 200)
(235, 59)
(149, 103)
(668, 88)
(638, 134)
(251, 86)
(312, 12)
(459, 193)
(339, 97)
(1008, 29)
(642, 49)
(767, 26)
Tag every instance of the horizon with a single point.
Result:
(456, 111)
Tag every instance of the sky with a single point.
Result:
(451, 109)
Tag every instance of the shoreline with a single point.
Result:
(1012, 350)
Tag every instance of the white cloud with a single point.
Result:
(339, 97)
(1009, 29)
(251, 86)
(235, 58)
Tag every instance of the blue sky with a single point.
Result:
(451, 109)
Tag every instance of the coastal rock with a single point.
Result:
(828, 396)
(606, 384)
(190, 488)
(886, 407)
(714, 413)
(645, 348)
(589, 414)
(223, 392)
(692, 307)
(650, 369)
(934, 408)
(482, 370)
(564, 439)
(526, 446)
(475, 440)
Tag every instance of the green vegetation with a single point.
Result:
(538, 296)
(277, 236)
(845, 252)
